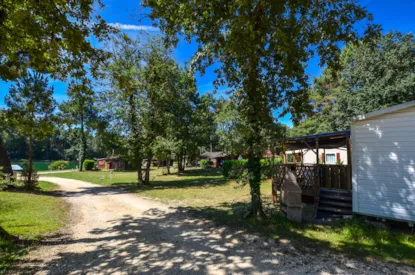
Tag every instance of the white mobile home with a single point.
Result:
(383, 163)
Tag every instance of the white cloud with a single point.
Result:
(126, 27)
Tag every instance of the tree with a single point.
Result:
(4, 158)
(123, 99)
(50, 37)
(262, 48)
(31, 105)
(230, 128)
(79, 111)
(372, 76)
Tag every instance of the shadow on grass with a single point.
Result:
(190, 178)
(353, 237)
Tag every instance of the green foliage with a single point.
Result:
(262, 48)
(50, 36)
(30, 112)
(372, 76)
(205, 163)
(59, 165)
(80, 112)
(266, 167)
(29, 175)
(4, 179)
(233, 169)
(88, 164)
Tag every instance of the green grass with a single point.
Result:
(206, 194)
(30, 216)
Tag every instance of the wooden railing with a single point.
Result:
(335, 177)
(312, 177)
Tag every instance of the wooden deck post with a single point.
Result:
(349, 164)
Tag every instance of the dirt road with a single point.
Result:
(113, 232)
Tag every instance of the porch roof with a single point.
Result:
(325, 141)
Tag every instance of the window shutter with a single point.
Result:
(338, 156)
(322, 158)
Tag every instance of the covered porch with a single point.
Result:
(313, 177)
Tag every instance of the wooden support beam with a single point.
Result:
(349, 163)
(284, 153)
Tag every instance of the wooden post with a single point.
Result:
(317, 177)
(349, 163)
(284, 153)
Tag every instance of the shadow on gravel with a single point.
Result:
(187, 241)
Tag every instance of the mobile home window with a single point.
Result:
(330, 158)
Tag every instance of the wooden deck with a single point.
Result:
(313, 177)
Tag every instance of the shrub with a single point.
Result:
(266, 167)
(88, 164)
(59, 165)
(233, 169)
(205, 163)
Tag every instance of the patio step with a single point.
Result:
(334, 197)
(335, 210)
(334, 203)
(337, 203)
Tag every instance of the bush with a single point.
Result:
(59, 165)
(88, 164)
(205, 163)
(233, 169)
(266, 167)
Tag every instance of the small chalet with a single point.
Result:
(114, 163)
(215, 157)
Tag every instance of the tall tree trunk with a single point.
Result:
(168, 165)
(139, 171)
(148, 167)
(179, 163)
(4, 159)
(82, 149)
(29, 183)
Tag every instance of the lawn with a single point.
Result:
(207, 194)
(30, 216)
(195, 188)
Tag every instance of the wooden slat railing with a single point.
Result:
(312, 177)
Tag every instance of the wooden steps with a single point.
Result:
(334, 203)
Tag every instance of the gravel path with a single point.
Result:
(113, 232)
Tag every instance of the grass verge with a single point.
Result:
(206, 194)
(30, 216)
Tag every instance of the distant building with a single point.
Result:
(114, 163)
(215, 157)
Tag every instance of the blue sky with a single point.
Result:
(391, 14)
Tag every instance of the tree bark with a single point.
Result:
(4, 159)
(168, 165)
(82, 149)
(6, 235)
(254, 169)
(140, 171)
(29, 183)
(148, 166)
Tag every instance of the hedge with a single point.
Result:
(205, 163)
(233, 169)
(88, 164)
(59, 165)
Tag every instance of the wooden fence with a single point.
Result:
(312, 177)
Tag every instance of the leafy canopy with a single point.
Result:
(50, 37)
(372, 76)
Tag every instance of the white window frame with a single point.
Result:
(333, 155)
